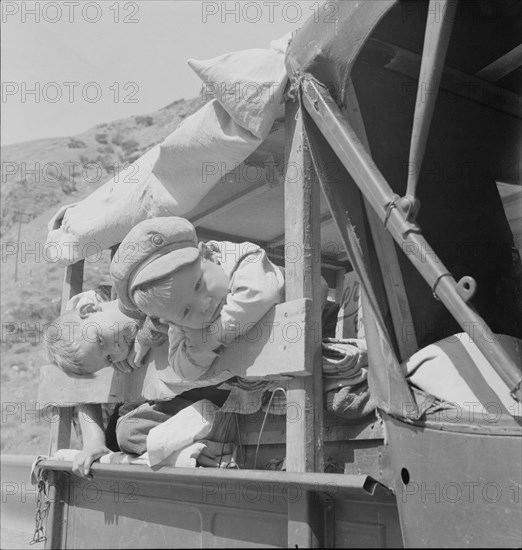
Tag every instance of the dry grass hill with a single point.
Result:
(67, 170)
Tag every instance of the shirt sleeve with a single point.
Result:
(188, 361)
(256, 286)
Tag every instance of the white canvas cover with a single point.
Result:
(171, 178)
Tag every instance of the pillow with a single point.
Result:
(455, 370)
(104, 217)
(189, 425)
(173, 177)
(249, 84)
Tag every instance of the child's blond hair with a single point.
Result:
(63, 350)
(155, 291)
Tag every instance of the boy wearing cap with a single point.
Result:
(209, 294)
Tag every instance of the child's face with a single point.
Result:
(199, 292)
(105, 335)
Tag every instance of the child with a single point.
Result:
(92, 334)
(209, 294)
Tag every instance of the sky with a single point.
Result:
(69, 65)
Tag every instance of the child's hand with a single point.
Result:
(122, 366)
(87, 297)
(83, 461)
(202, 339)
(137, 355)
(134, 360)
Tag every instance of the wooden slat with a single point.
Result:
(474, 89)
(436, 40)
(276, 346)
(502, 66)
(72, 283)
(304, 443)
(60, 437)
(386, 253)
(335, 429)
(304, 426)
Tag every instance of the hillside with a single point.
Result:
(67, 170)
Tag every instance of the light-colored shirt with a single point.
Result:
(256, 285)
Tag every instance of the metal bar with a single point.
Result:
(362, 485)
(441, 14)
(502, 66)
(344, 141)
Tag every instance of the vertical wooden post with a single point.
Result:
(304, 426)
(72, 282)
(60, 437)
(385, 249)
(61, 427)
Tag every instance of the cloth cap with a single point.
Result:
(152, 250)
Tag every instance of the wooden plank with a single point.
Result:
(304, 439)
(502, 66)
(304, 443)
(335, 429)
(60, 436)
(474, 89)
(275, 346)
(72, 283)
(436, 40)
(386, 253)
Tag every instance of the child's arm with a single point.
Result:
(257, 286)
(191, 352)
(94, 445)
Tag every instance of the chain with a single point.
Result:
(42, 507)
